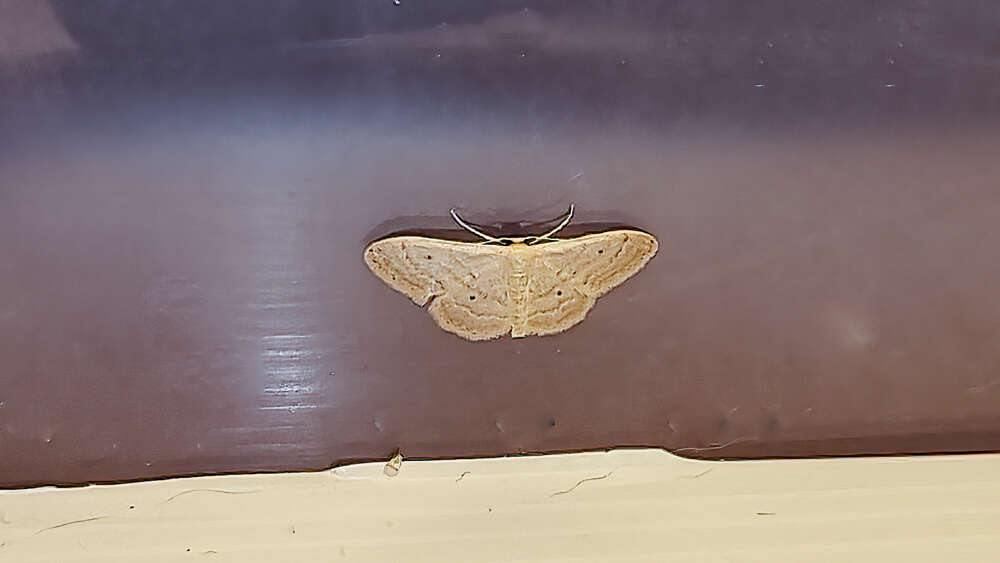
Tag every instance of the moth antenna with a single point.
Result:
(472, 229)
(559, 227)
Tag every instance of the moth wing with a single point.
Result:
(467, 285)
(568, 276)
(595, 264)
(551, 305)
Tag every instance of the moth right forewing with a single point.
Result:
(550, 304)
(599, 262)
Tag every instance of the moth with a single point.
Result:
(522, 286)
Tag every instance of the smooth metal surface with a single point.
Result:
(182, 217)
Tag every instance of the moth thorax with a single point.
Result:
(519, 285)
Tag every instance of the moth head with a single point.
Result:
(515, 241)
(511, 241)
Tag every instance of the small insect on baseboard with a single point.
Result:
(522, 286)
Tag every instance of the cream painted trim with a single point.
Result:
(626, 505)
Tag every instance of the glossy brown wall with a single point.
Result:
(184, 197)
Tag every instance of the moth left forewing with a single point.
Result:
(466, 284)
(599, 262)
(480, 306)
(424, 268)
(388, 259)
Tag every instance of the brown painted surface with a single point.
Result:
(181, 226)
